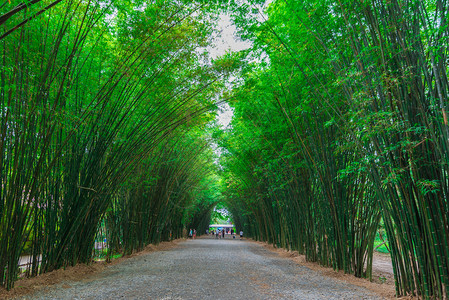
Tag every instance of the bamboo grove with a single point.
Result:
(340, 125)
(105, 110)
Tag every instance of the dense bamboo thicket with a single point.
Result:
(155, 204)
(342, 122)
(340, 127)
(103, 105)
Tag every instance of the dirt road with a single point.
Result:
(207, 269)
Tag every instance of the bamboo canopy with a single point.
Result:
(339, 136)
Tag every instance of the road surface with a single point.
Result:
(207, 269)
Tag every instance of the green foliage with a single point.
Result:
(103, 114)
(340, 131)
(343, 122)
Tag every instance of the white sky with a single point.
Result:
(225, 41)
(225, 114)
(228, 40)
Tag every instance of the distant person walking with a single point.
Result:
(190, 233)
(241, 234)
(223, 233)
(194, 233)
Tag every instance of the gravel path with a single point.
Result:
(207, 269)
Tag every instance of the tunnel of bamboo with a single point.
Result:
(339, 136)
